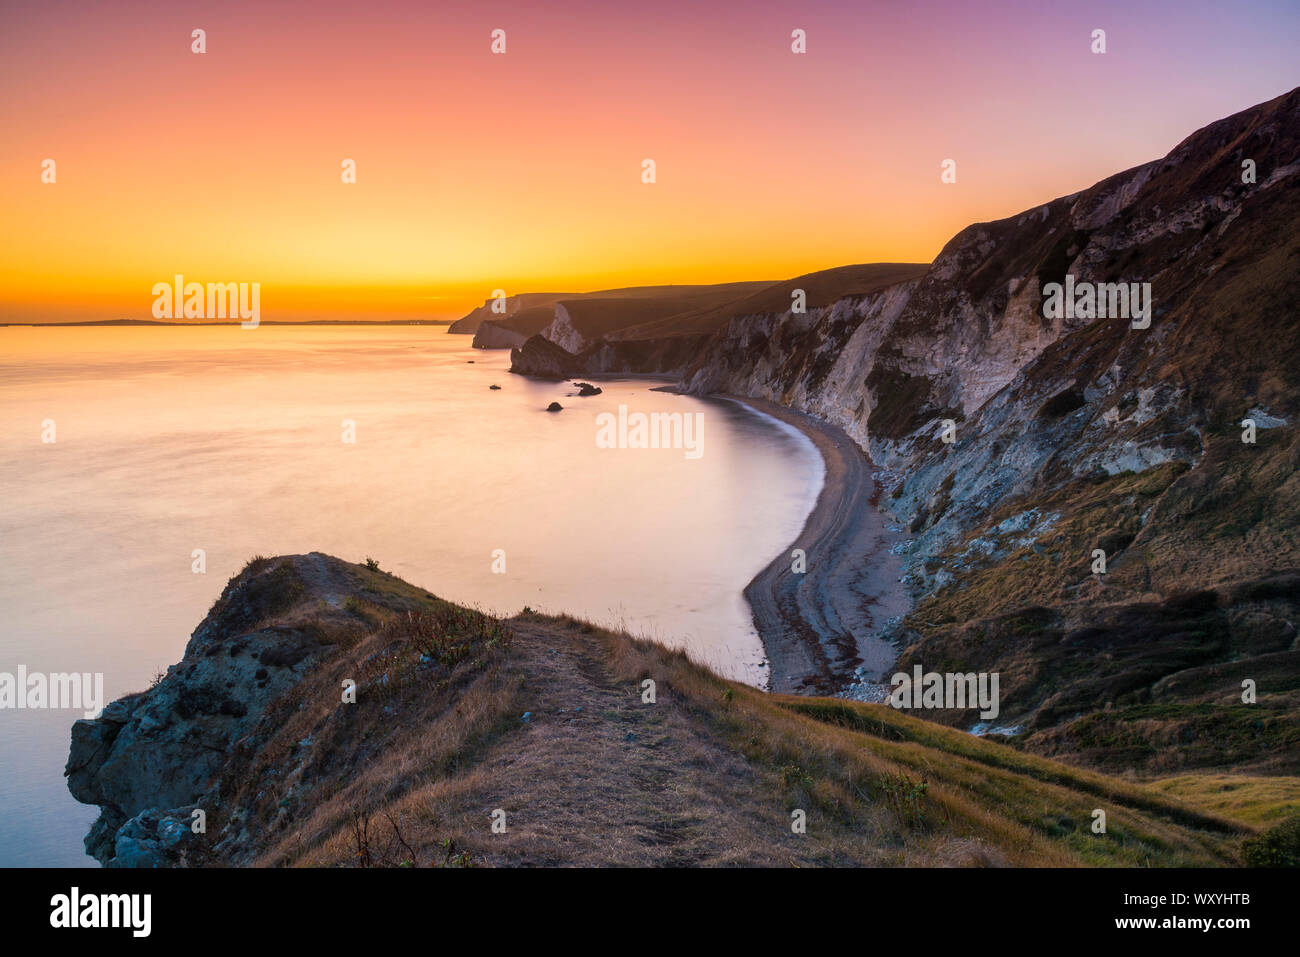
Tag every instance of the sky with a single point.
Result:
(523, 171)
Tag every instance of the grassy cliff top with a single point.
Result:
(459, 714)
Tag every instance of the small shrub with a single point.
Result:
(449, 634)
(451, 858)
(1279, 846)
(905, 798)
(792, 775)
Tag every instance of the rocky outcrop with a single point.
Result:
(151, 758)
(815, 362)
(543, 359)
(494, 310)
(494, 335)
(468, 324)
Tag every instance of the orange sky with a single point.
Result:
(478, 171)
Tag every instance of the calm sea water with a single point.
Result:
(169, 440)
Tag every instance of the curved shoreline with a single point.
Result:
(820, 626)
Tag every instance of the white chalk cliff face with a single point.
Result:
(562, 332)
(815, 362)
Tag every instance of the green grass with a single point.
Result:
(1254, 800)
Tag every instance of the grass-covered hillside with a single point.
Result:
(458, 715)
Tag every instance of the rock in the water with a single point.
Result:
(586, 389)
(494, 388)
(554, 407)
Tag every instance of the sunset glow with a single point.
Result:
(522, 171)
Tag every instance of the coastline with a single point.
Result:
(820, 627)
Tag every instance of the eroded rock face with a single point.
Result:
(154, 838)
(561, 331)
(542, 359)
(494, 311)
(150, 757)
(281, 694)
(816, 362)
(492, 335)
